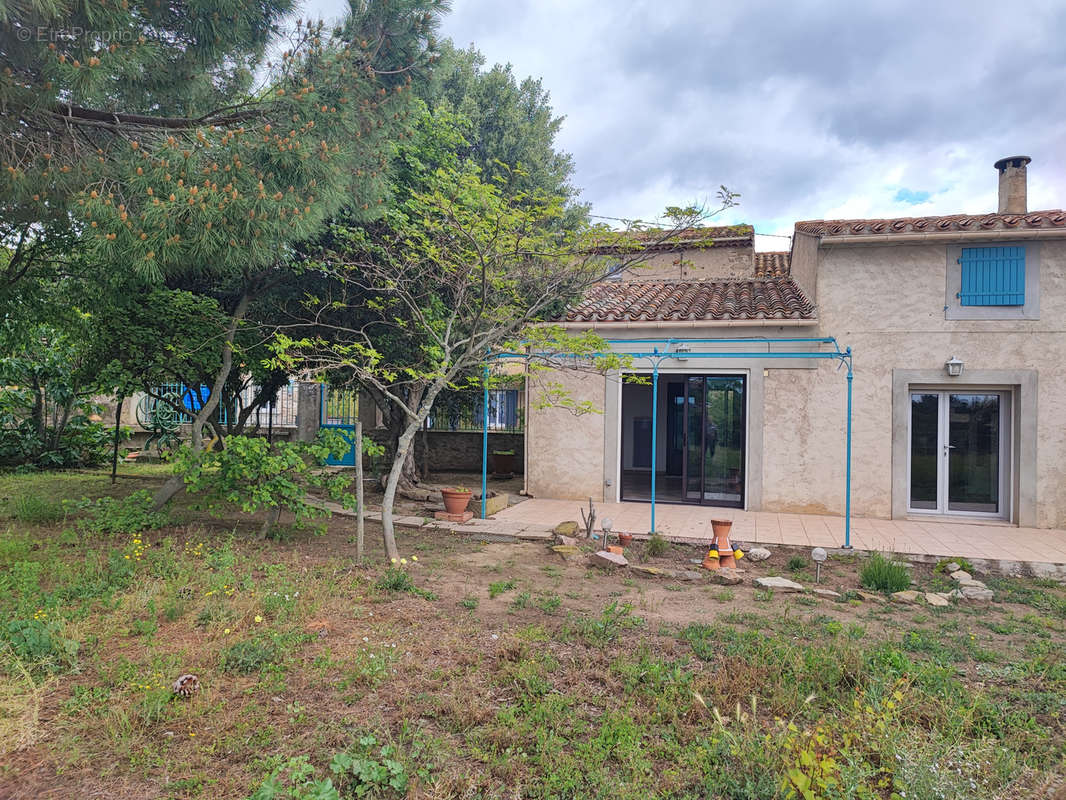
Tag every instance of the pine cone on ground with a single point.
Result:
(186, 685)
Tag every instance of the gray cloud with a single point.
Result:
(809, 109)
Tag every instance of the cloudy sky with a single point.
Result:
(810, 110)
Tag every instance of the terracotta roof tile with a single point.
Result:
(772, 265)
(956, 223)
(721, 236)
(676, 301)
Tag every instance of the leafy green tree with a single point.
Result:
(48, 417)
(255, 475)
(458, 271)
(141, 124)
(510, 125)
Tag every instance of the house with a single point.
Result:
(959, 402)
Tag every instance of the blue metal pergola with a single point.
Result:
(657, 357)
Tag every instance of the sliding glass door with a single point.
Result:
(701, 440)
(958, 452)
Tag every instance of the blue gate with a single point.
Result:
(338, 409)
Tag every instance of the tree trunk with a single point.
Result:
(359, 511)
(271, 520)
(175, 483)
(395, 423)
(399, 461)
(118, 428)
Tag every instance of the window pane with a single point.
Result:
(924, 451)
(973, 466)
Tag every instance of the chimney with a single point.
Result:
(1012, 184)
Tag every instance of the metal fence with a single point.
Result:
(463, 411)
(281, 413)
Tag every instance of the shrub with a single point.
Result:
(884, 575)
(657, 546)
(396, 579)
(256, 475)
(34, 509)
(110, 516)
(370, 770)
(248, 656)
(39, 642)
(612, 621)
(499, 587)
(295, 780)
(796, 563)
(941, 565)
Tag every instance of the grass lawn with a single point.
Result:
(489, 670)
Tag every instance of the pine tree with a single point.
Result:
(140, 124)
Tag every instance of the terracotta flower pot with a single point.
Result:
(456, 500)
(625, 539)
(721, 529)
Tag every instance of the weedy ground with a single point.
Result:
(488, 671)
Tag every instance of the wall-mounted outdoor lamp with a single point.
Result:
(682, 348)
(954, 367)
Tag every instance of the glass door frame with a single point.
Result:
(1006, 451)
(745, 376)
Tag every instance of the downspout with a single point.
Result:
(847, 467)
(485, 438)
(654, 434)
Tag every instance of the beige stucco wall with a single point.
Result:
(564, 450)
(887, 303)
(708, 263)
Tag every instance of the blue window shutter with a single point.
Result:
(992, 276)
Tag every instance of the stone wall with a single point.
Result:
(457, 451)
(708, 263)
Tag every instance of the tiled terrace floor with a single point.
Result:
(911, 536)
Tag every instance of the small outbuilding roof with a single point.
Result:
(692, 301)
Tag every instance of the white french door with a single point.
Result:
(959, 455)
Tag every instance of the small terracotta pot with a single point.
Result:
(455, 502)
(721, 526)
(625, 539)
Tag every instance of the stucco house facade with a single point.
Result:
(956, 327)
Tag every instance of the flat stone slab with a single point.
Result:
(937, 600)
(446, 516)
(779, 584)
(961, 576)
(973, 594)
(602, 558)
(907, 597)
(829, 594)
(568, 552)
(484, 534)
(409, 522)
(647, 572)
(726, 576)
(440, 525)
(871, 597)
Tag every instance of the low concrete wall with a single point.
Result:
(458, 451)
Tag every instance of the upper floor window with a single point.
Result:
(993, 281)
(992, 276)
